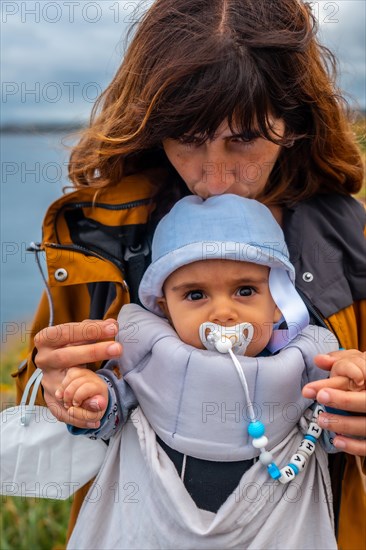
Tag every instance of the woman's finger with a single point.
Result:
(52, 380)
(351, 446)
(343, 425)
(70, 356)
(326, 361)
(343, 400)
(76, 333)
(347, 353)
(311, 390)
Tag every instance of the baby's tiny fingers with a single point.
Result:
(90, 391)
(59, 393)
(353, 371)
(82, 415)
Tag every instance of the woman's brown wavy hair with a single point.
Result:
(194, 63)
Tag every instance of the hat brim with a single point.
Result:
(151, 286)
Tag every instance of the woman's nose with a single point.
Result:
(218, 177)
(219, 172)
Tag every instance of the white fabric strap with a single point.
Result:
(292, 308)
(36, 380)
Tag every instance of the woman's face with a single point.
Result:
(228, 163)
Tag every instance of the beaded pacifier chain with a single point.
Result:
(237, 338)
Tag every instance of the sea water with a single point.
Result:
(33, 174)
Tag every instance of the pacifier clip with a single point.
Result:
(236, 339)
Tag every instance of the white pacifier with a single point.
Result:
(222, 339)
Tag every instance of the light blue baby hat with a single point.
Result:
(225, 227)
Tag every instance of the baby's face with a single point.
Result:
(225, 292)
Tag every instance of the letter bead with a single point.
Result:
(307, 447)
(299, 460)
(287, 475)
(314, 430)
(318, 410)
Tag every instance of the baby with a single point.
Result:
(220, 279)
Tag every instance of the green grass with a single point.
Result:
(29, 523)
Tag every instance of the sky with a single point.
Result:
(58, 56)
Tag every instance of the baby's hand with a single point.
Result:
(345, 391)
(347, 374)
(85, 396)
(352, 372)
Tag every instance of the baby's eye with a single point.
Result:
(194, 295)
(245, 291)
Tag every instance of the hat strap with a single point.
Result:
(292, 308)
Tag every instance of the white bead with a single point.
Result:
(287, 475)
(314, 430)
(266, 458)
(299, 460)
(319, 409)
(307, 447)
(223, 346)
(260, 442)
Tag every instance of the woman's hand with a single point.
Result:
(72, 345)
(344, 390)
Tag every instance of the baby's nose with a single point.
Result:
(223, 313)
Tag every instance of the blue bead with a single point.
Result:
(294, 468)
(310, 438)
(273, 471)
(256, 429)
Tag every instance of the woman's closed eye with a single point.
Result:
(191, 140)
(247, 137)
(245, 291)
(194, 295)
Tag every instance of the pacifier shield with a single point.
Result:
(219, 338)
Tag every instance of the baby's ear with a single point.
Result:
(164, 307)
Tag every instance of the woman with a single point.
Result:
(212, 97)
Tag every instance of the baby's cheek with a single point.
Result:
(262, 332)
(261, 336)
